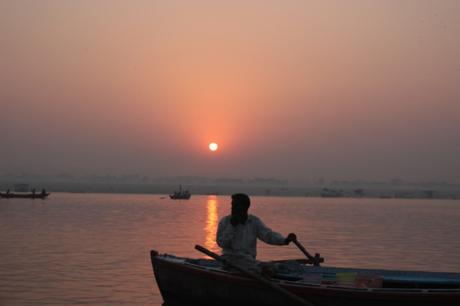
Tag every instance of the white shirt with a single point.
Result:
(241, 240)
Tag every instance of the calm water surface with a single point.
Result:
(93, 249)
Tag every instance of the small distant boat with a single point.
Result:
(331, 193)
(180, 194)
(10, 195)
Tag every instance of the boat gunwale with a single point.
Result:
(307, 288)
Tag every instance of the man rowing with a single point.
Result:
(238, 232)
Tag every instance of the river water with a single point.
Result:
(93, 249)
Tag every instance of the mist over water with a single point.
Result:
(93, 249)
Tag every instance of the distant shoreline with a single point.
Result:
(384, 192)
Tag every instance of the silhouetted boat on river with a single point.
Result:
(11, 195)
(331, 193)
(180, 194)
(185, 281)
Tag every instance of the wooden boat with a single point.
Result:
(331, 193)
(11, 195)
(181, 194)
(184, 281)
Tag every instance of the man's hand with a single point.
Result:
(291, 237)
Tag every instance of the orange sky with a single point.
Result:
(289, 89)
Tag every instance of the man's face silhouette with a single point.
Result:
(239, 211)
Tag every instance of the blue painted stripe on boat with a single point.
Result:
(412, 279)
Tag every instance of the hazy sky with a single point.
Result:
(289, 89)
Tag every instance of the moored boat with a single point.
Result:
(10, 195)
(331, 193)
(184, 281)
(180, 194)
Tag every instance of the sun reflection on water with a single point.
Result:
(211, 224)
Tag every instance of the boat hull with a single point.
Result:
(182, 284)
(24, 196)
(180, 197)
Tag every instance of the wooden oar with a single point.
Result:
(314, 259)
(255, 276)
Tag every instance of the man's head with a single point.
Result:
(240, 205)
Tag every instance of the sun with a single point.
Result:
(213, 146)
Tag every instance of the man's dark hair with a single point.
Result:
(241, 199)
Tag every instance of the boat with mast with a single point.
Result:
(180, 194)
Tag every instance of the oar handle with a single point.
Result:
(314, 259)
(303, 250)
(255, 276)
